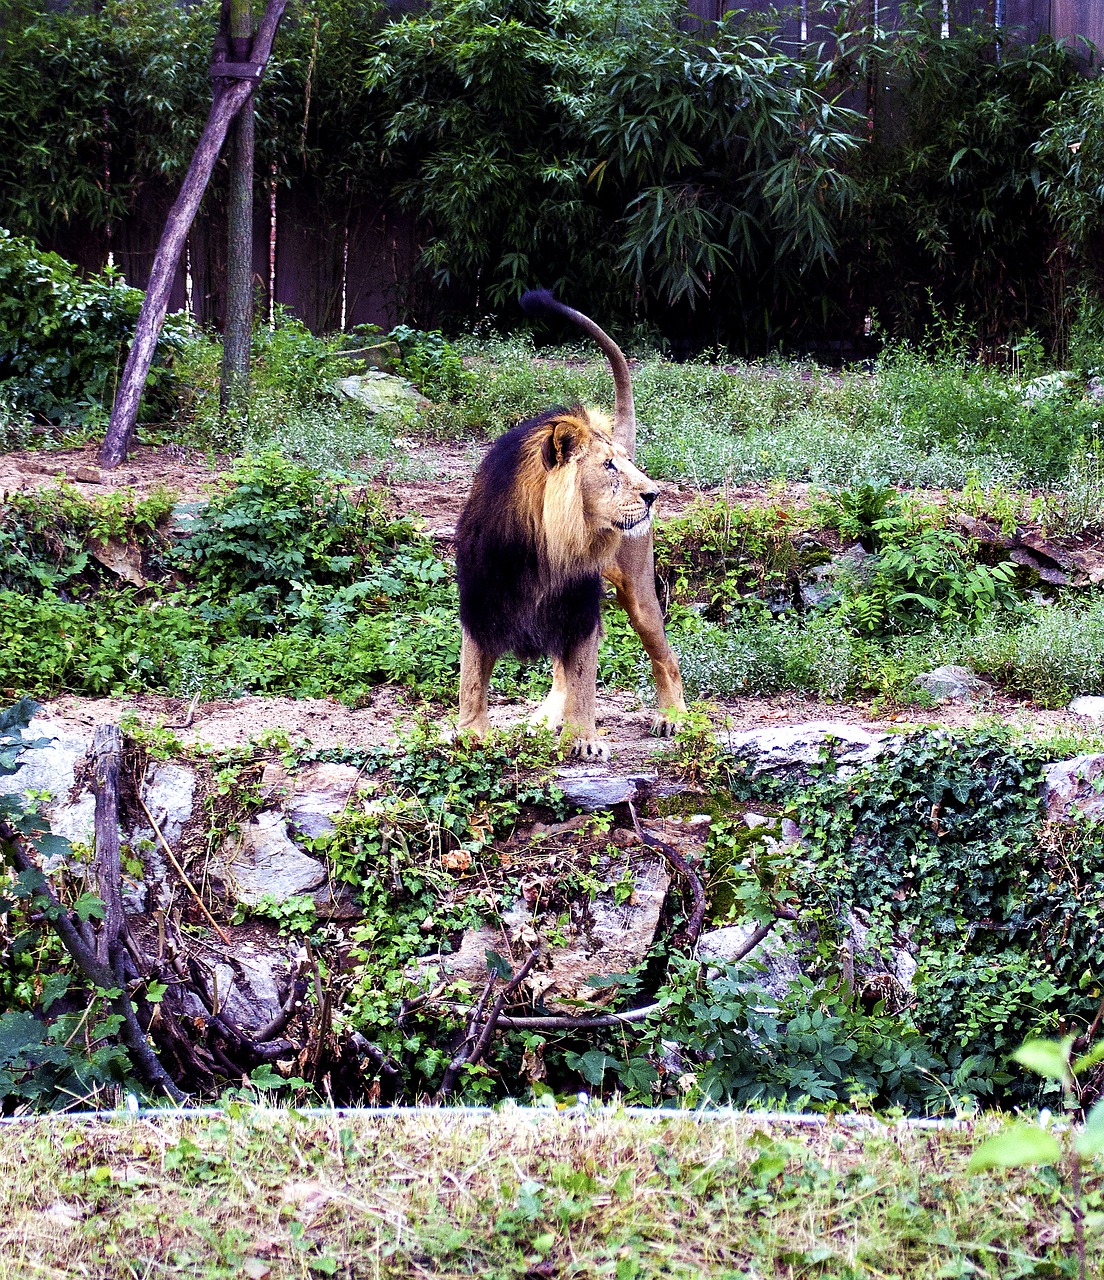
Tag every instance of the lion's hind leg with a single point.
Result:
(476, 666)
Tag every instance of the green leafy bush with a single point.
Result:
(1054, 654)
(278, 526)
(431, 362)
(63, 339)
(817, 1043)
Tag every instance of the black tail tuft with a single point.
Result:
(539, 302)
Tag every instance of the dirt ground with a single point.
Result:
(432, 487)
(621, 718)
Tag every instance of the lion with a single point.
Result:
(556, 505)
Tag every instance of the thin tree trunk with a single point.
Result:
(234, 389)
(229, 96)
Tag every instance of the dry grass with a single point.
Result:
(271, 1194)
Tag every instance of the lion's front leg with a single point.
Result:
(476, 666)
(580, 672)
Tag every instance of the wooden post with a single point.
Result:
(238, 330)
(233, 86)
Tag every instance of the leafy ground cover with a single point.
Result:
(275, 1194)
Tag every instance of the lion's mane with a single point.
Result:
(528, 563)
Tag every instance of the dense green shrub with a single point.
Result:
(46, 536)
(63, 339)
(579, 144)
(281, 525)
(949, 219)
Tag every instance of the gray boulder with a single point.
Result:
(777, 953)
(790, 750)
(1089, 707)
(318, 794)
(251, 985)
(379, 392)
(601, 937)
(1069, 788)
(70, 808)
(952, 684)
(267, 862)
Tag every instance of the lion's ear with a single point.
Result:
(559, 445)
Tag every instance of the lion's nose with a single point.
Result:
(649, 497)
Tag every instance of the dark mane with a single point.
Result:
(506, 602)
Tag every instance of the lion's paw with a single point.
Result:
(590, 749)
(665, 724)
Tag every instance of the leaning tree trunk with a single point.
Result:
(233, 87)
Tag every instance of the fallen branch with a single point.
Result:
(480, 1040)
(679, 863)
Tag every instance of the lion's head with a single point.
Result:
(580, 491)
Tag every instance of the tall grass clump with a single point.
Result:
(1055, 655)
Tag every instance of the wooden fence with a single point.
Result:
(1074, 20)
(336, 269)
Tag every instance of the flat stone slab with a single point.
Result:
(594, 788)
(791, 749)
(380, 391)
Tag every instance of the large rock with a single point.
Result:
(317, 794)
(787, 952)
(1089, 707)
(601, 937)
(1069, 788)
(789, 751)
(52, 771)
(774, 952)
(606, 937)
(250, 986)
(267, 862)
(168, 792)
(381, 391)
(952, 684)
(594, 788)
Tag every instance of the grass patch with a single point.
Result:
(272, 1193)
(913, 420)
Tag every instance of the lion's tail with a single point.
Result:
(542, 302)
